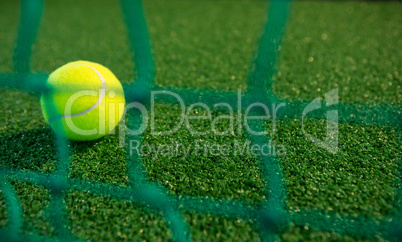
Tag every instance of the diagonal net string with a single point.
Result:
(271, 216)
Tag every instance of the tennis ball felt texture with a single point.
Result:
(83, 101)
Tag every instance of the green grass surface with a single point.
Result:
(354, 46)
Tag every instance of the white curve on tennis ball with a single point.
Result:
(101, 96)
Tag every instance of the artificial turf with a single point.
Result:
(209, 45)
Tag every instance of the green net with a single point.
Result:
(272, 217)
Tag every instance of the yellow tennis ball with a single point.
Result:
(83, 101)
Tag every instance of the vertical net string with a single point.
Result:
(138, 92)
(31, 12)
(259, 86)
(139, 42)
(14, 209)
(262, 68)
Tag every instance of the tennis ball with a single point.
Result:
(83, 101)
